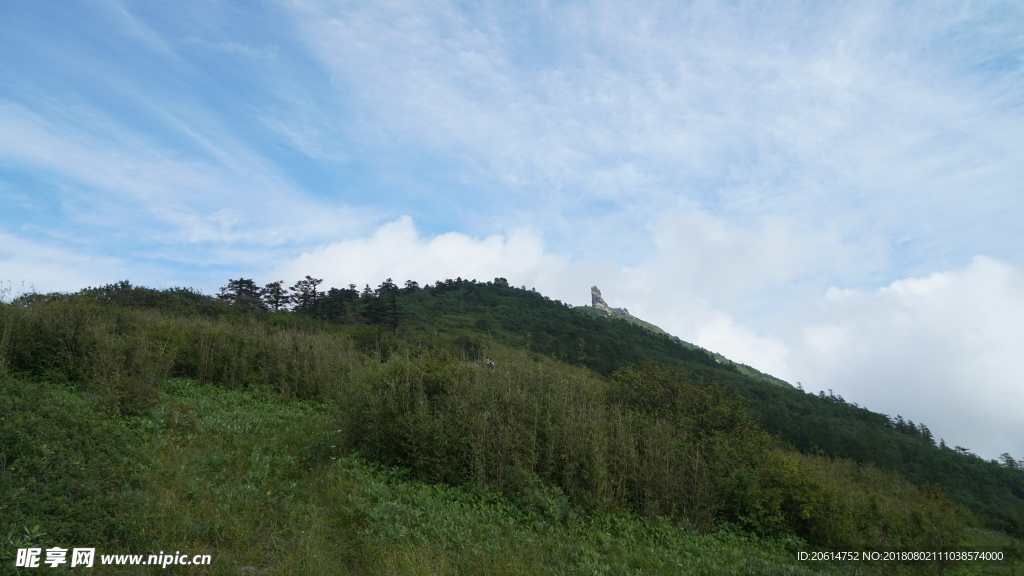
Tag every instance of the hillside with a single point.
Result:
(601, 309)
(822, 423)
(589, 437)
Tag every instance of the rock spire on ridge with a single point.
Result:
(598, 302)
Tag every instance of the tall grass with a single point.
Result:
(255, 482)
(700, 460)
(651, 440)
(261, 484)
(124, 354)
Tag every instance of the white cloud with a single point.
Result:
(701, 267)
(397, 250)
(51, 269)
(730, 263)
(942, 349)
(696, 321)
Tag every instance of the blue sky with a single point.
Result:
(829, 191)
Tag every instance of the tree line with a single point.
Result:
(374, 306)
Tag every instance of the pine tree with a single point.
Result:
(384, 309)
(242, 294)
(275, 297)
(304, 293)
(926, 433)
(1008, 461)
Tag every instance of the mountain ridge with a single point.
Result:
(599, 307)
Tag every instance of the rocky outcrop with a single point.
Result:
(598, 302)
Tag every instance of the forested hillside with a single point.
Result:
(812, 423)
(577, 422)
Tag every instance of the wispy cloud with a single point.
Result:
(306, 136)
(233, 47)
(843, 114)
(223, 198)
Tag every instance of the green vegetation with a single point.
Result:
(826, 424)
(728, 364)
(66, 466)
(362, 433)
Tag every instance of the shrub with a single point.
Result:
(66, 467)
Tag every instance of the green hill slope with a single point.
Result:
(615, 417)
(811, 423)
(741, 368)
(259, 483)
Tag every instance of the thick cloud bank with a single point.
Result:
(943, 349)
(397, 250)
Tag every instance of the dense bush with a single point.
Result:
(651, 441)
(65, 466)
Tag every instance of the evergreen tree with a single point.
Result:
(304, 293)
(338, 304)
(275, 296)
(925, 433)
(243, 294)
(1008, 461)
(384, 308)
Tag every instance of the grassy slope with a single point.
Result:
(120, 358)
(257, 482)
